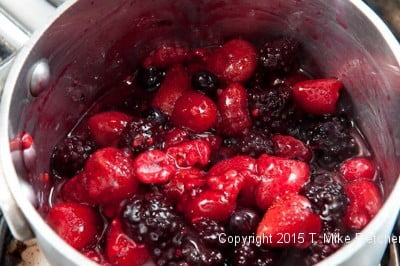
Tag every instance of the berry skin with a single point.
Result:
(74, 190)
(244, 221)
(293, 215)
(278, 55)
(153, 167)
(206, 82)
(122, 250)
(292, 148)
(109, 176)
(365, 202)
(358, 168)
(106, 128)
(214, 140)
(141, 134)
(210, 204)
(150, 78)
(176, 136)
(279, 176)
(190, 153)
(213, 234)
(166, 56)
(248, 254)
(255, 143)
(155, 116)
(194, 111)
(235, 61)
(70, 155)
(75, 223)
(233, 110)
(176, 82)
(318, 96)
(327, 196)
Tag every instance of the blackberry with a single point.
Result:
(70, 155)
(272, 107)
(150, 79)
(331, 139)
(327, 196)
(255, 143)
(213, 234)
(244, 221)
(151, 219)
(206, 82)
(155, 115)
(141, 134)
(248, 254)
(279, 55)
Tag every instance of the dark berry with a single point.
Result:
(244, 221)
(213, 234)
(278, 55)
(70, 155)
(155, 115)
(255, 143)
(150, 78)
(327, 196)
(206, 82)
(248, 254)
(272, 107)
(141, 134)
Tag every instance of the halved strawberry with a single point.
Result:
(292, 148)
(190, 153)
(153, 167)
(167, 55)
(358, 168)
(290, 222)
(106, 128)
(365, 202)
(317, 96)
(175, 83)
(279, 176)
(122, 250)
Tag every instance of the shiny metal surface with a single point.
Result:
(39, 77)
(88, 41)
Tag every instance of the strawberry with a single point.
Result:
(279, 177)
(365, 201)
(235, 61)
(317, 96)
(294, 78)
(74, 190)
(291, 216)
(106, 128)
(175, 136)
(194, 111)
(166, 56)
(122, 250)
(75, 223)
(109, 176)
(190, 153)
(233, 110)
(358, 168)
(292, 148)
(176, 82)
(184, 180)
(210, 204)
(153, 167)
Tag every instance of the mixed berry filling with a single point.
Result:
(228, 155)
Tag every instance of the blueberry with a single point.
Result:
(150, 78)
(206, 82)
(244, 221)
(155, 115)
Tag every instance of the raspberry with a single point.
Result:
(153, 167)
(248, 254)
(244, 221)
(327, 196)
(141, 134)
(176, 136)
(190, 153)
(205, 82)
(279, 55)
(70, 155)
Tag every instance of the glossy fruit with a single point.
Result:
(292, 148)
(175, 136)
(278, 55)
(167, 55)
(150, 78)
(244, 221)
(206, 82)
(74, 190)
(184, 180)
(190, 153)
(358, 168)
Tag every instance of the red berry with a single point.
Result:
(279, 176)
(75, 223)
(210, 204)
(290, 216)
(122, 250)
(184, 180)
(292, 148)
(194, 111)
(166, 56)
(365, 202)
(294, 78)
(106, 128)
(153, 167)
(358, 168)
(190, 153)
(109, 176)
(175, 83)
(74, 190)
(175, 136)
(215, 141)
(317, 96)
(235, 61)
(233, 110)
(95, 256)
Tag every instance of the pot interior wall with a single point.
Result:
(89, 45)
